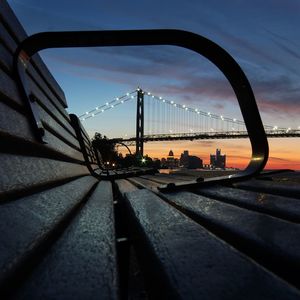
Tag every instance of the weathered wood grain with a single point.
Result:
(82, 264)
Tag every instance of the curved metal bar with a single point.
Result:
(123, 144)
(217, 55)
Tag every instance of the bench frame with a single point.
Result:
(217, 55)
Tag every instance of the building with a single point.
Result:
(171, 163)
(190, 161)
(184, 159)
(217, 160)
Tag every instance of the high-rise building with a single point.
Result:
(218, 160)
(184, 159)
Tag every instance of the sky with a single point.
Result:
(262, 36)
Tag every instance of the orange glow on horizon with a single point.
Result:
(284, 153)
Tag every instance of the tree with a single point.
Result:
(105, 147)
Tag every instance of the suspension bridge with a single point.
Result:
(159, 119)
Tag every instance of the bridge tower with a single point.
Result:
(140, 124)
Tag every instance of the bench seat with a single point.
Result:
(202, 247)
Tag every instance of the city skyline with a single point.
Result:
(262, 37)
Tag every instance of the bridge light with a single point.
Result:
(196, 109)
(112, 106)
(86, 112)
(186, 108)
(127, 94)
(208, 113)
(83, 119)
(149, 93)
(183, 106)
(234, 120)
(131, 97)
(164, 101)
(175, 104)
(172, 102)
(122, 101)
(152, 96)
(93, 115)
(107, 103)
(198, 112)
(97, 107)
(160, 98)
(117, 99)
(102, 110)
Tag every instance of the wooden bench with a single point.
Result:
(225, 230)
(49, 201)
(70, 231)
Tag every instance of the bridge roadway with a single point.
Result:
(207, 135)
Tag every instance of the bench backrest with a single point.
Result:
(26, 163)
(90, 154)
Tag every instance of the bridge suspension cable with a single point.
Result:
(163, 116)
(108, 105)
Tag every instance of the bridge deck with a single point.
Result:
(208, 136)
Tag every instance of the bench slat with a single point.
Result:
(22, 129)
(186, 261)
(33, 79)
(264, 238)
(8, 90)
(5, 59)
(145, 183)
(8, 17)
(82, 263)
(8, 117)
(28, 222)
(285, 177)
(32, 76)
(22, 173)
(6, 39)
(276, 188)
(11, 22)
(68, 144)
(278, 206)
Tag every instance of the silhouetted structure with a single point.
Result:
(217, 160)
(171, 163)
(190, 161)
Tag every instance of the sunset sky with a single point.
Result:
(263, 37)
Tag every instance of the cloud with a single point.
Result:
(280, 159)
(170, 74)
